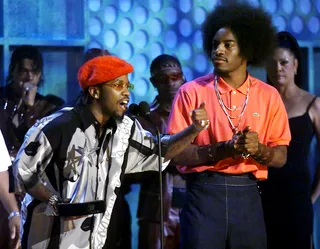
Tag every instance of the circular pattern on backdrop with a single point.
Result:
(141, 87)
(157, 27)
(288, 6)
(170, 39)
(110, 14)
(156, 49)
(313, 24)
(170, 15)
(126, 26)
(185, 51)
(305, 6)
(155, 5)
(188, 73)
(139, 31)
(270, 6)
(185, 27)
(141, 63)
(317, 4)
(280, 23)
(110, 38)
(141, 38)
(185, 5)
(296, 24)
(200, 63)
(94, 5)
(141, 14)
(199, 15)
(95, 26)
(197, 39)
(126, 51)
(125, 5)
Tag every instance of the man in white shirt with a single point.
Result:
(8, 199)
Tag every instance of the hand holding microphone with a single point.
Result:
(29, 93)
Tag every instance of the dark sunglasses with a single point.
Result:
(167, 77)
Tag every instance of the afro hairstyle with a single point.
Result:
(252, 27)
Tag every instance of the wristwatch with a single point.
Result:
(52, 203)
(13, 214)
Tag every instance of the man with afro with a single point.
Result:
(248, 133)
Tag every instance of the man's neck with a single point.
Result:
(97, 113)
(165, 104)
(234, 79)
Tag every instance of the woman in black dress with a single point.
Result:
(288, 195)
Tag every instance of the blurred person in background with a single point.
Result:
(20, 103)
(289, 193)
(166, 77)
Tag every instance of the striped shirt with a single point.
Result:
(65, 154)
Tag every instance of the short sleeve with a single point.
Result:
(143, 154)
(179, 117)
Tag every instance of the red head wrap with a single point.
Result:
(102, 69)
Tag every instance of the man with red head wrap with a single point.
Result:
(80, 155)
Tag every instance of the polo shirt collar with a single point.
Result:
(224, 87)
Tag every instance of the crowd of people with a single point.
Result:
(234, 149)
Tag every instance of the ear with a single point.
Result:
(154, 83)
(296, 64)
(184, 80)
(94, 92)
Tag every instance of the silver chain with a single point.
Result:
(224, 107)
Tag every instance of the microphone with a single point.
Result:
(134, 109)
(143, 109)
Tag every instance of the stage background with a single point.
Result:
(138, 31)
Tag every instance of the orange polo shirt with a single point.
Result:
(265, 113)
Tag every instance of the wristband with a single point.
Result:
(52, 203)
(13, 214)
